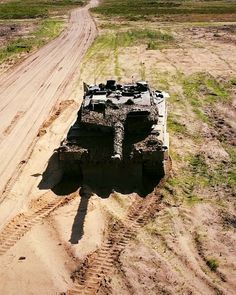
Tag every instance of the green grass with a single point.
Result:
(155, 228)
(193, 199)
(198, 175)
(203, 90)
(49, 29)
(202, 172)
(144, 9)
(200, 91)
(131, 37)
(212, 263)
(198, 165)
(163, 80)
(142, 36)
(175, 126)
(20, 9)
(233, 81)
(183, 188)
(113, 26)
(222, 174)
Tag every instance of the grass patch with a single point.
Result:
(175, 126)
(162, 80)
(203, 90)
(201, 115)
(113, 26)
(132, 38)
(192, 199)
(199, 175)
(128, 38)
(145, 36)
(233, 81)
(17, 46)
(144, 9)
(212, 263)
(49, 29)
(223, 174)
(35, 9)
(183, 188)
(198, 165)
(202, 172)
(200, 90)
(152, 229)
(161, 225)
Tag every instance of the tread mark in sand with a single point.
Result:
(23, 222)
(91, 277)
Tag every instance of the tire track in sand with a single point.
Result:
(23, 222)
(93, 273)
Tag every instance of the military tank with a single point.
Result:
(119, 138)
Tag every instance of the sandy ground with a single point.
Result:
(14, 30)
(29, 91)
(49, 245)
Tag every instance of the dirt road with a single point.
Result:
(29, 91)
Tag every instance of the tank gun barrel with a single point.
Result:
(118, 141)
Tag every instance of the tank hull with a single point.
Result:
(124, 176)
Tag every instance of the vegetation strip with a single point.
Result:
(36, 9)
(144, 9)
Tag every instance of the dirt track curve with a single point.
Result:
(29, 91)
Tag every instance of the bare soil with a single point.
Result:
(34, 86)
(121, 244)
(14, 30)
(11, 31)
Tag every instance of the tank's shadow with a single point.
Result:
(61, 185)
(77, 230)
